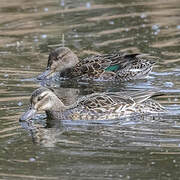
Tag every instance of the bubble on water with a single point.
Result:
(46, 9)
(178, 26)
(143, 25)
(126, 29)
(20, 103)
(6, 75)
(155, 27)
(155, 33)
(143, 15)
(44, 36)
(18, 43)
(111, 22)
(62, 3)
(174, 161)
(32, 159)
(28, 67)
(88, 5)
(76, 35)
(168, 84)
(176, 99)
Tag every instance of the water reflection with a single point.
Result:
(138, 131)
(130, 149)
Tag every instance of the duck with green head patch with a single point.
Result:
(96, 106)
(108, 67)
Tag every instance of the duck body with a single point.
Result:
(97, 106)
(109, 67)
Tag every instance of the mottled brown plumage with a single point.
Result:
(97, 106)
(111, 67)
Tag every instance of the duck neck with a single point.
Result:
(75, 60)
(66, 71)
(56, 112)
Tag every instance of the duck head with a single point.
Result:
(42, 99)
(59, 60)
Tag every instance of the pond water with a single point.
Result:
(133, 148)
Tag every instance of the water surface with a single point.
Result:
(133, 148)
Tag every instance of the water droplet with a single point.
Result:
(28, 67)
(111, 22)
(46, 9)
(44, 36)
(18, 43)
(168, 84)
(155, 27)
(20, 103)
(143, 15)
(88, 5)
(32, 159)
(178, 26)
(143, 25)
(156, 33)
(62, 3)
(176, 99)
(76, 35)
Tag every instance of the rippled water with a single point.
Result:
(133, 148)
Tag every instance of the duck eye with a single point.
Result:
(61, 56)
(39, 98)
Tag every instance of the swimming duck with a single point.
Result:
(115, 66)
(96, 106)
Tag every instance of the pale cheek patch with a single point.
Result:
(46, 106)
(54, 65)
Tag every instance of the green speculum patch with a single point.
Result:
(112, 68)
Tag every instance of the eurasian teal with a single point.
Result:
(96, 106)
(110, 67)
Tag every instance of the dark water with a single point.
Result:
(136, 148)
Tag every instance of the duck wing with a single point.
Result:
(141, 96)
(115, 62)
(104, 101)
(110, 99)
(129, 61)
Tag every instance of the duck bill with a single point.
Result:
(29, 114)
(46, 74)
